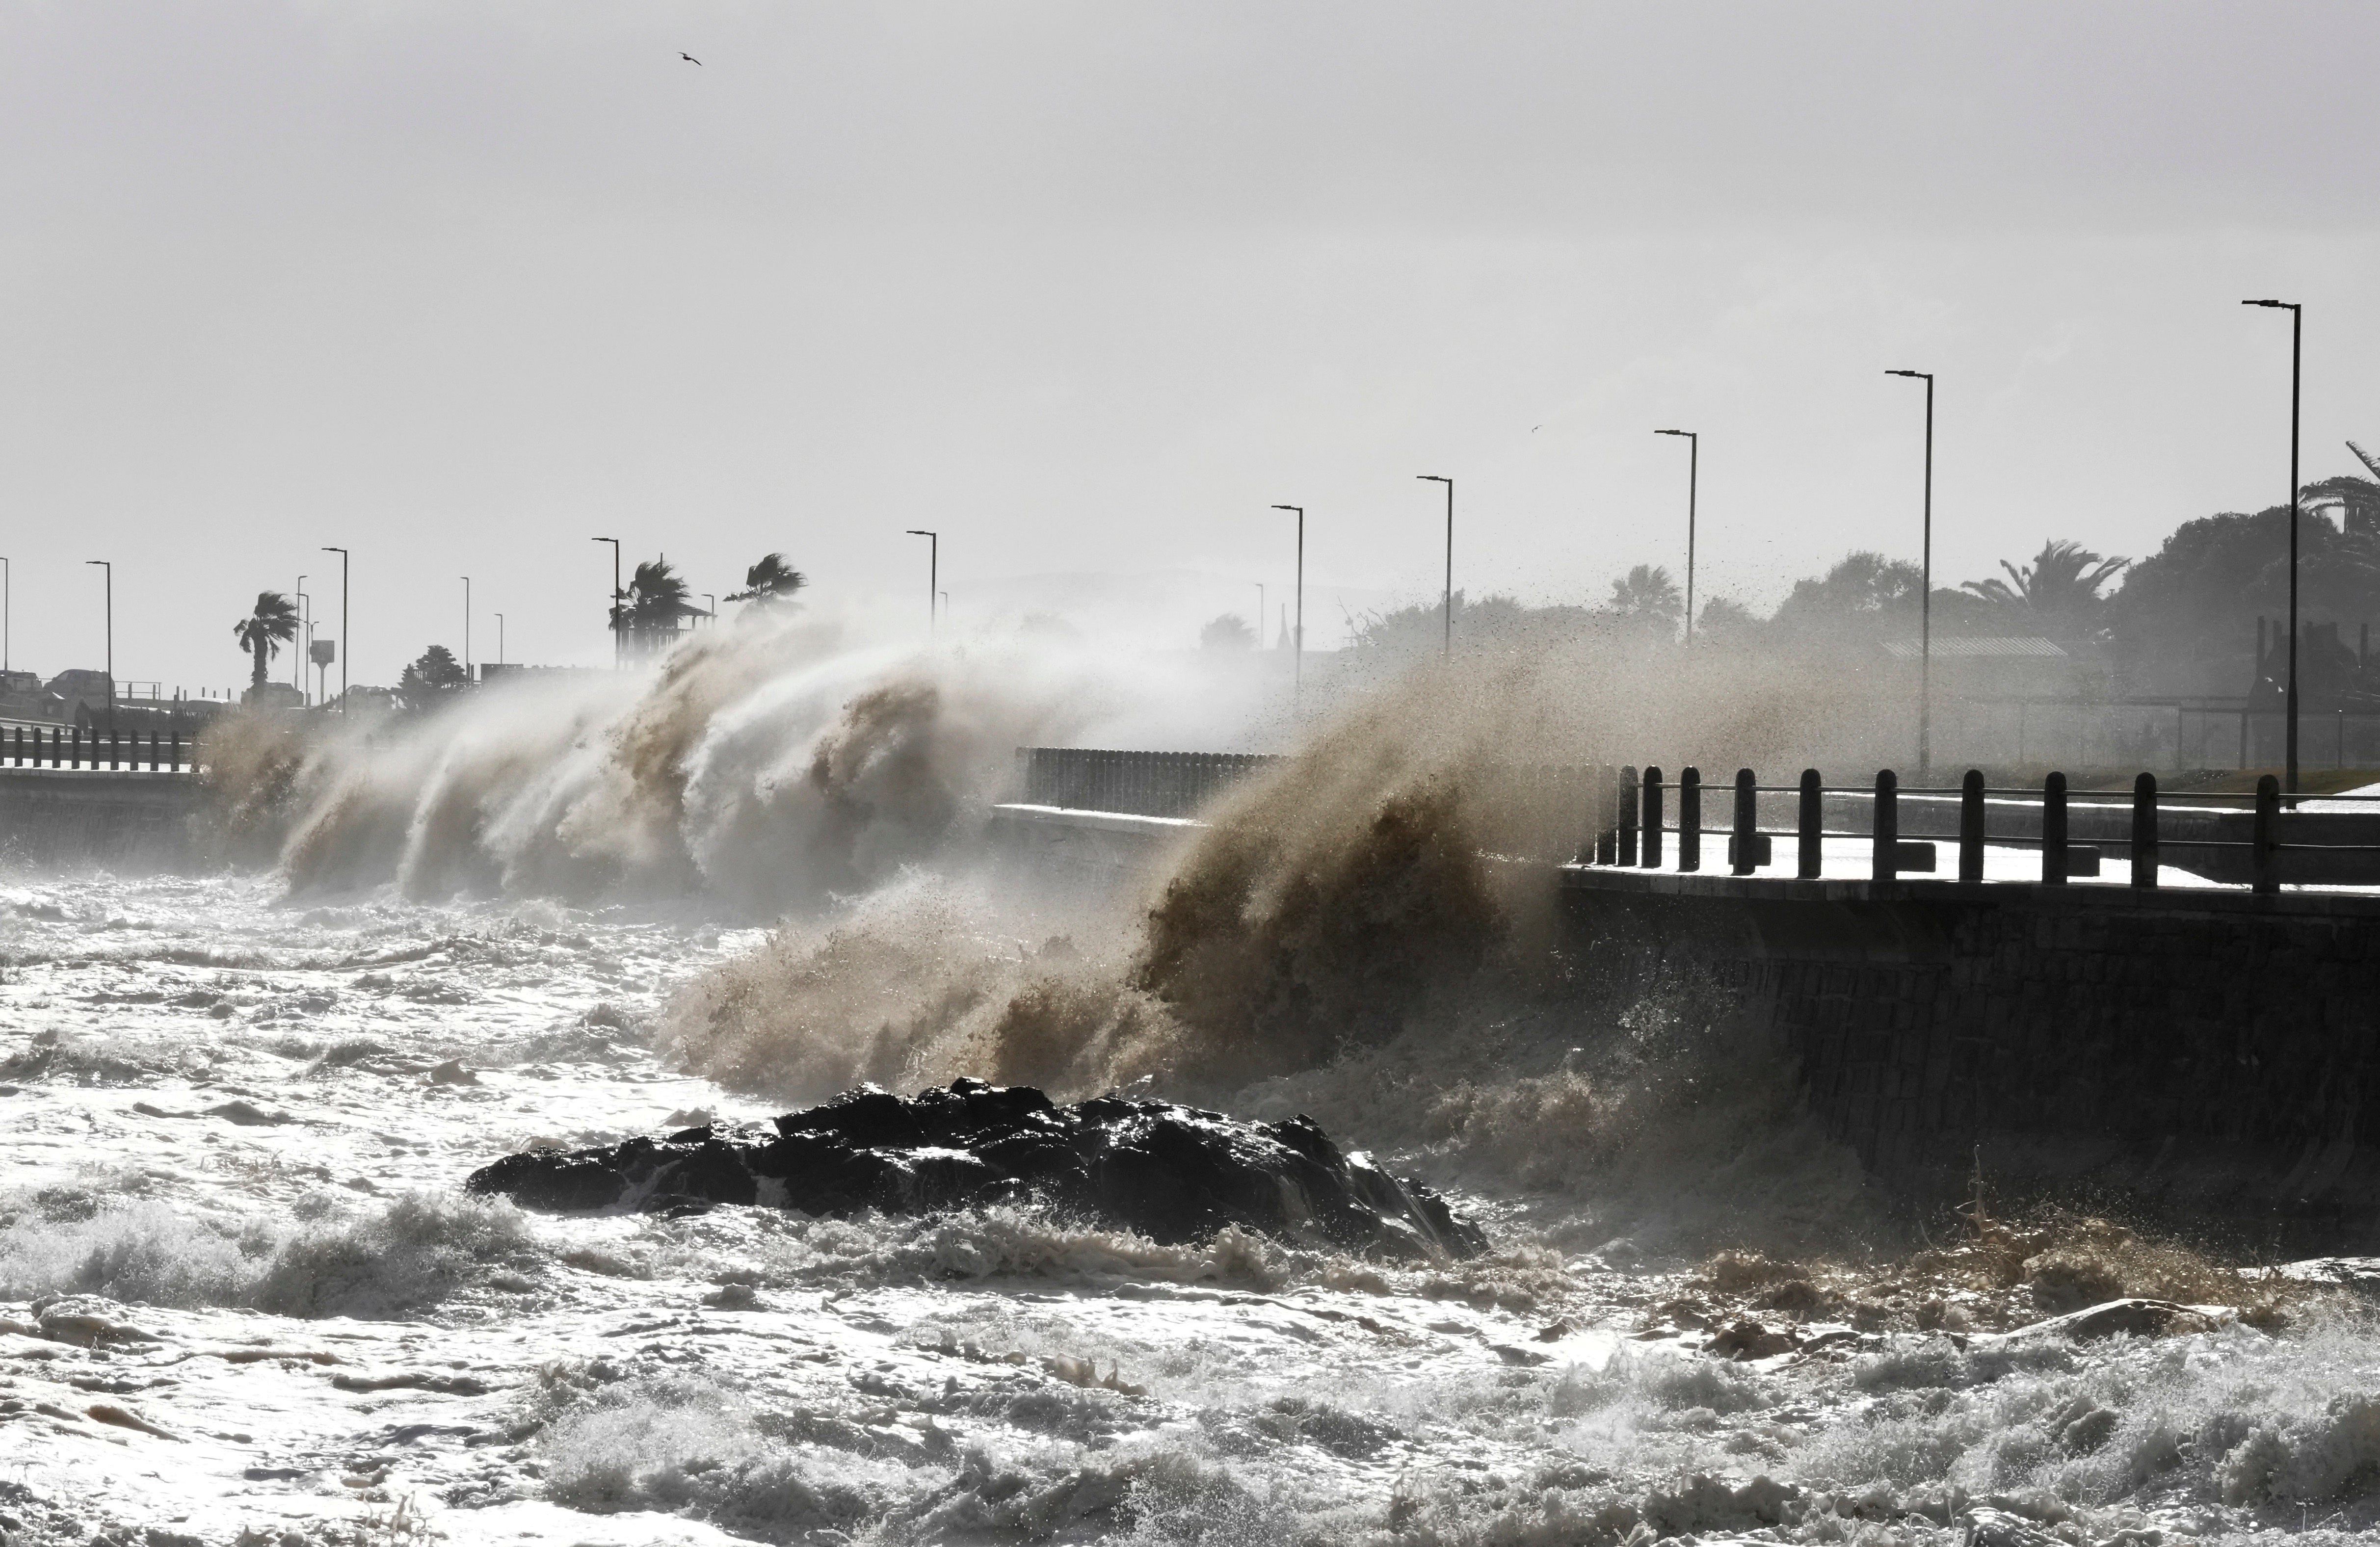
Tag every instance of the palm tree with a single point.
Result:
(656, 600)
(2058, 590)
(264, 632)
(769, 580)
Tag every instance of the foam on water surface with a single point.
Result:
(240, 1297)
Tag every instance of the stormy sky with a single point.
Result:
(1088, 286)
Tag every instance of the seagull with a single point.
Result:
(689, 58)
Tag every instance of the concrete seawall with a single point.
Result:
(2210, 1052)
(2205, 1052)
(69, 816)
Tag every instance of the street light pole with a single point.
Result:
(617, 596)
(298, 666)
(1433, 477)
(346, 637)
(110, 570)
(1926, 587)
(2296, 360)
(1297, 646)
(4, 579)
(467, 627)
(1694, 483)
(712, 612)
(500, 639)
(934, 569)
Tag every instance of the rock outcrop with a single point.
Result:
(1174, 1174)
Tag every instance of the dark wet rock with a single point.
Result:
(1174, 1174)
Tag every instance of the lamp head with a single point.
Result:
(2264, 302)
(1687, 433)
(1299, 509)
(915, 533)
(1912, 375)
(1431, 478)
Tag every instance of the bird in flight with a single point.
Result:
(689, 58)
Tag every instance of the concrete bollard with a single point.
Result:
(1745, 851)
(2144, 831)
(2264, 840)
(1627, 824)
(2053, 831)
(1812, 825)
(1690, 819)
(1883, 865)
(1971, 825)
(1651, 851)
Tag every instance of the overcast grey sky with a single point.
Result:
(1087, 286)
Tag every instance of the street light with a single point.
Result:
(1694, 480)
(617, 596)
(347, 644)
(712, 597)
(1297, 655)
(110, 570)
(2297, 357)
(1433, 477)
(4, 614)
(500, 639)
(467, 627)
(297, 664)
(1925, 586)
(933, 566)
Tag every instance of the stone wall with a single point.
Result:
(2208, 1052)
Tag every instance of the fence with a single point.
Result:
(2283, 843)
(1618, 817)
(2032, 733)
(58, 748)
(1138, 783)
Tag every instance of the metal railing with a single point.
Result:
(1633, 831)
(1136, 783)
(118, 752)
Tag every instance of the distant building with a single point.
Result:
(2007, 666)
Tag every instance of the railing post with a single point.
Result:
(2053, 831)
(1690, 819)
(1628, 816)
(1884, 861)
(75, 761)
(2144, 831)
(1748, 822)
(2265, 839)
(1650, 852)
(1813, 835)
(1971, 827)
(114, 750)
(176, 752)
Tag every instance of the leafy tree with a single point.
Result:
(433, 677)
(2057, 594)
(1725, 617)
(1646, 596)
(2185, 620)
(1862, 586)
(1230, 632)
(262, 632)
(768, 581)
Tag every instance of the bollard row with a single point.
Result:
(61, 749)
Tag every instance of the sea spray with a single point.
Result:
(768, 766)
